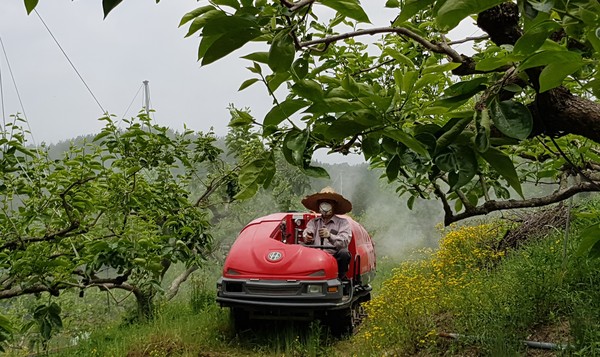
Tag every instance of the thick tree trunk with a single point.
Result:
(145, 304)
(556, 112)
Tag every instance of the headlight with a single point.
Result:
(314, 289)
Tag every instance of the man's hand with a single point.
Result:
(308, 237)
(324, 233)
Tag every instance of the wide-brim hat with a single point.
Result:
(342, 205)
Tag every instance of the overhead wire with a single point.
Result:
(12, 76)
(2, 101)
(132, 101)
(21, 164)
(70, 62)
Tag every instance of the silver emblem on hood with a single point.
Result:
(274, 256)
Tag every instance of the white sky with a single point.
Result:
(138, 41)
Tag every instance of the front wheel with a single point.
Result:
(345, 322)
(240, 319)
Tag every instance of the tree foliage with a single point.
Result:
(467, 130)
(114, 213)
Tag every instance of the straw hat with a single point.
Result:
(341, 206)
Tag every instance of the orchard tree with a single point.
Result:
(468, 130)
(115, 213)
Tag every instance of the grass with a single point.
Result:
(493, 300)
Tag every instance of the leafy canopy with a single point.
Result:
(440, 124)
(469, 130)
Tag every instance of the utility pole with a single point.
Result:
(147, 97)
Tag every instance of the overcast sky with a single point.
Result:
(138, 41)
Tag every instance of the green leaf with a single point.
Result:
(109, 5)
(451, 13)
(223, 25)
(254, 174)
(512, 118)
(410, 8)
(504, 166)
(459, 93)
(593, 35)
(101, 135)
(466, 87)
(284, 110)
(296, 141)
(451, 131)
(300, 68)
(370, 146)
(309, 89)
(261, 57)
(317, 172)
(247, 83)
(334, 105)
(411, 202)
(441, 67)
(407, 140)
(590, 242)
(491, 63)
(281, 54)
(276, 79)
(241, 118)
(554, 74)
(467, 168)
(30, 5)
(483, 123)
(399, 57)
(350, 85)
(231, 3)
(446, 160)
(544, 58)
(535, 37)
(203, 19)
(409, 80)
(228, 43)
(348, 8)
(392, 168)
(195, 13)
(344, 127)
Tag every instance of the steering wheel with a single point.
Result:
(318, 246)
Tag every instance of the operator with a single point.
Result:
(330, 229)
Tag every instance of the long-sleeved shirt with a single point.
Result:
(339, 230)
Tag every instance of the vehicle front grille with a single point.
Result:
(273, 290)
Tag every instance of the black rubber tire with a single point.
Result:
(340, 323)
(240, 319)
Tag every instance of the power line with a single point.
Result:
(133, 100)
(70, 62)
(2, 98)
(17, 91)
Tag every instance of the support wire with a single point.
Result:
(70, 62)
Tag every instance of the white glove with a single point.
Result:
(324, 233)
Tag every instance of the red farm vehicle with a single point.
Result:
(269, 274)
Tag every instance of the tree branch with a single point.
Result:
(13, 245)
(431, 46)
(467, 39)
(492, 206)
(182, 278)
(293, 6)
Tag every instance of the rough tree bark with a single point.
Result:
(555, 112)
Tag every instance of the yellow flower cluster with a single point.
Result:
(412, 304)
